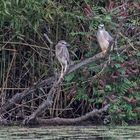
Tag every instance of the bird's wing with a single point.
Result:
(66, 54)
(107, 36)
(62, 54)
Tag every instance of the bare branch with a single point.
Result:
(63, 121)
(47, 82)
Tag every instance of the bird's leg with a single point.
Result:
(62, 73)
(65, 69)
(104, 51)
(109, 59)
(112, 47)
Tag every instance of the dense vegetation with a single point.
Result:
(26, 57)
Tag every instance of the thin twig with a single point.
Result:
(51, 53)
(48, 39)
(24, 44)
(128, 40)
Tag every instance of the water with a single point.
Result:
(71, 133)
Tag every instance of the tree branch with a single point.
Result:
(67, 121)
(47, 82)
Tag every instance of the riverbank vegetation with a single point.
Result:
(94, 88)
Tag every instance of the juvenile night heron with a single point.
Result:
(104, 39)
(62, 55)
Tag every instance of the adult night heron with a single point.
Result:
(104, 39)
(62, 55)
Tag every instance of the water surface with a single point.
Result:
(71, 133)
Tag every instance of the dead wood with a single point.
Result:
(19, 96)
(69, 121)
(47, 82)
(48, 103)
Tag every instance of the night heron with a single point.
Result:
(62, 55)
(104, 39)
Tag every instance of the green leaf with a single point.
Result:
(69, 77)
(117, 66)
(120, 59)
(107, 18)
(81, 93)
(17, 2)
(122, 71)
(108, 88)
(138, 54)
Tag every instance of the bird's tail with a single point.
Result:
(113, 46)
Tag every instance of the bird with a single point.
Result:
(104, 39)
(62, 54)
